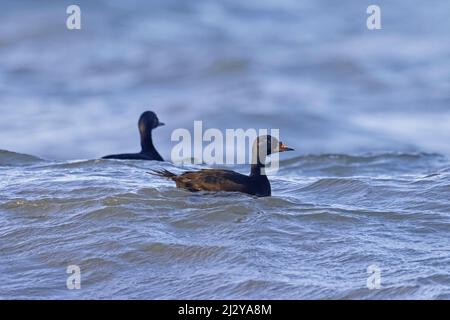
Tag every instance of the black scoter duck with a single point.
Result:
(147, 122)
(256, 183)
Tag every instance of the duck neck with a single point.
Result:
(147, 142)
(256, 170)
(258, 166)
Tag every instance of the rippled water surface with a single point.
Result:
(367, 112)
(137, 236)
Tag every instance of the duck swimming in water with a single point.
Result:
(256, 183)
(147, 122)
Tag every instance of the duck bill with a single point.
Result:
(283, 148)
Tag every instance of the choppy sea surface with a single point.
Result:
(367, 112)
(137, 236)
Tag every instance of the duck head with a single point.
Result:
(266, 145)
(148, 121)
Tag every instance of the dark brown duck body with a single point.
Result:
(215, 180)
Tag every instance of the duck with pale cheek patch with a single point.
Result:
(256, 183)
(147, 122)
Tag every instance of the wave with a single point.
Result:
(9, 158)
(367, 164)
(365, 157)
